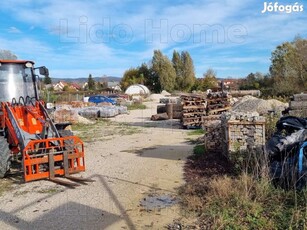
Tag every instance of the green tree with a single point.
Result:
(150, 79)
(47, 80)
(257, 80)
(249, 82)
(7, 55)
(184, 68)
(289, 67)
(130, 77)
(197, 84)
(209, 80)
(66, 88)
(187, 72)
(178, 66)
(91, 82)
(164, 70)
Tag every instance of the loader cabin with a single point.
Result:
(17, 79)
(17, 85)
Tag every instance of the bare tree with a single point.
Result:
(7, 55)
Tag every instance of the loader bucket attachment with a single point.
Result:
(47, 158)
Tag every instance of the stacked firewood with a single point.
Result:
(213, 132)
(298, 105)
(217, 103)
(193, 108)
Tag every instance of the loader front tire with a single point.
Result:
(5, 157)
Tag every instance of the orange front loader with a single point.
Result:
(26, 131)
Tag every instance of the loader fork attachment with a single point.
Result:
(48, 158)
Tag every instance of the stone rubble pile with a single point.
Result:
(234, 131)
(69, 113)
(243, 131)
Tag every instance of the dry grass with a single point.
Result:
(196, 132)
(103, 129)
(228, 199)
(136, 106)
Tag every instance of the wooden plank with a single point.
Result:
(211, 117)
(216, 111)
(217, 106)
(199, 113)
(217, 100)
(194, 107)
(197, 119)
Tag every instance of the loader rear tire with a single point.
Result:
(5, 157)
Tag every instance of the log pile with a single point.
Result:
(173, 110)
(193, 108)
(159, 117)
(213, 132)
(298, 105)
(197, 106)
(217, 103)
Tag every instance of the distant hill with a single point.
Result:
(82, 80)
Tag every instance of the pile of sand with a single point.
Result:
(165, 93)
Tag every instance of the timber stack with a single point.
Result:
(298, 105)
(193, 108)
(217, 103)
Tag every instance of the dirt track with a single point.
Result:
(126, 169)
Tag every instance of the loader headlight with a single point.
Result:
(29, 65)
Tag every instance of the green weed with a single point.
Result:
(196, 132)
(136, 106)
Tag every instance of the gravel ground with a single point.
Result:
(126, 168)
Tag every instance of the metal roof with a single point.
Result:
(15, 61)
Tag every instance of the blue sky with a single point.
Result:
(75, 38)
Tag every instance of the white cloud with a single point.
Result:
(14, 30)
